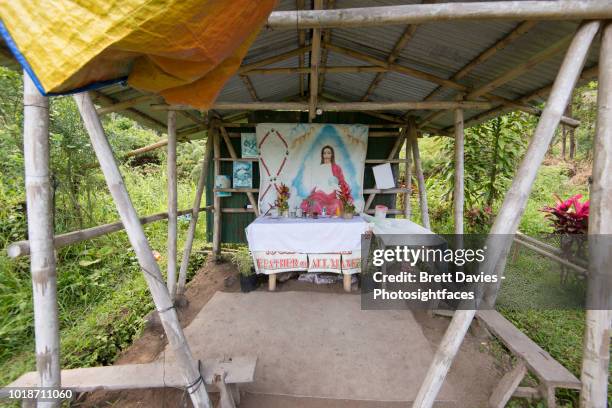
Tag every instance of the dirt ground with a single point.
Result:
(474, 373)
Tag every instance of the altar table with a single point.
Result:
(324, 244)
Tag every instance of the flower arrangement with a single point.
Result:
(282, 197)
(344, 195)
(569, 216)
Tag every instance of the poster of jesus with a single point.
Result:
(324, 181)
(315, 161)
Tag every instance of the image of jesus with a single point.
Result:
(324, 180)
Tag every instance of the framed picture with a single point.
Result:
(248, 142)
(243, 174)
(223, 181)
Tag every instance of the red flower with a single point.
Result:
(569, 216)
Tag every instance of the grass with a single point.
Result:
(102, 295)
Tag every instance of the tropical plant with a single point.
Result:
(243, 261)
(569, 216)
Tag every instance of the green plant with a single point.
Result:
(243, 261)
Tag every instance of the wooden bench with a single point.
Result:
(216, 373)
(532, 357)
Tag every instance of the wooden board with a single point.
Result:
(140, 376)
(549, 370)
(506, 387)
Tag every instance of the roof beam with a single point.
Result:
(249, 86)
(399, 46)
(521, 29)
(315, 58)
(508, 76)
(426, 13)
(131, 113)
(326, 40)
(588, 73)
(306, 70)
(119, 106)
(336, 106)
(520, 69)
(273, 59)
(299, 5)
(398, 68)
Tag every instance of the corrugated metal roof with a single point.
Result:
(441, 49)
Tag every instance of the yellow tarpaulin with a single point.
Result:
(183, 50)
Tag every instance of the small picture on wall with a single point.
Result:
(249, 145)
(223, 181)
(243, 174)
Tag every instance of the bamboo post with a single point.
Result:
(151, 271)
(560, 95)
(513, 207)
(459, 193)
(216, 244)
(22, 248)
(596, 353)
(172, 204)
(408, 171)
(40, 231)
(193, 222)
(426, 13)
(421, 180)
(396, 146)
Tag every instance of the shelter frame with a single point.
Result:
(598, 322)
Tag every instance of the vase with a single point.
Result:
(285, 213)
(347, 216)
(248, 283)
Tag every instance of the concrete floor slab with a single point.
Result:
(317, 345)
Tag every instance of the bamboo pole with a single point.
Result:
(129, 103)
(40, 230)
(513, 207)
(216, 244)
(337, 106)
(408, 171)
(315, 59)
(424, 206)
(274, 59)
(22, 248)
(193, 222)
(132, 113)
(392, 153)
(596, 352)
(249, 86)
(559, 97)
(299, 5)
(459, 191)
(515, 34)
(426, 13)
(172, 204)
(520, 69)
(324, 52)
(326, 70)
(393, 55)
(234, 156)
(449, 83)
(539, 93)
(151, 271)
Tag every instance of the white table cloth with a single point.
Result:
(306, 235)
